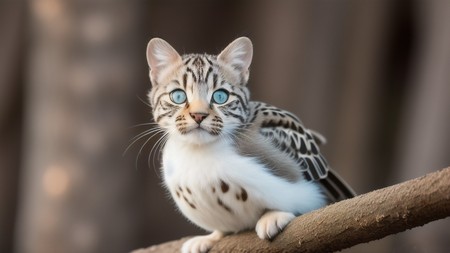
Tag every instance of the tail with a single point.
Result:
(335, 188)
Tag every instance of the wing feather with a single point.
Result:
(287, 134)
(290, 136)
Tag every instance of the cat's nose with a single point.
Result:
(198, 116)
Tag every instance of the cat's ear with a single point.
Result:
(160, 55)
(238, 53)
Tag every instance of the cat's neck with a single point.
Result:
(186, 144)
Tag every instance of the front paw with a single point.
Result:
(272, 223)
(201, 244)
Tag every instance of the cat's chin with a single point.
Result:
(198, 136)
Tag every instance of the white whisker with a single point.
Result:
(157, 146)
(148, 131)
(144, 124)
(145, 143)
(145, 103)
(140, 136)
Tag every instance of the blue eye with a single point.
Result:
(178, 96)
(220, 96)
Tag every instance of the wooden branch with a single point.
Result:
(347, 223)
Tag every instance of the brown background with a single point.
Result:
(372, 76)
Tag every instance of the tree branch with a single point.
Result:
(344, 224)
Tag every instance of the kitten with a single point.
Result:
(229, 163)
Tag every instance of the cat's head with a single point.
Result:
(199, 98)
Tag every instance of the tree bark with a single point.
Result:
(344, 224)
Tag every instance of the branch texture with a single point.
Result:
(364, 218)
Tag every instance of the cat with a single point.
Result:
(229, 163)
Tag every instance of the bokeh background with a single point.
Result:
(372, 76)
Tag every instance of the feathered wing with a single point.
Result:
(289, 136)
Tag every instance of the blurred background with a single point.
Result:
(372, 76)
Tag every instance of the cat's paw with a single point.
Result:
(272, 223)
(201, 244)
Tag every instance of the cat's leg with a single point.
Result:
(272, 223)
(201, 244)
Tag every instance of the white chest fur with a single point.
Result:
(218, 189)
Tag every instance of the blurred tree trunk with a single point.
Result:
(424, 143)
(357, 105)
(12, 23)
(78, 194)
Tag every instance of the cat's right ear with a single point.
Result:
(160, 56)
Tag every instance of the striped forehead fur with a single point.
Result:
(202, 68)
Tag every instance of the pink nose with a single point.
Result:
(199, 116)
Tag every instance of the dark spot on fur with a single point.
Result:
(214, 190)
(187, 201)
(238, 197)
(219, 201)
(188, 190)
(224, 186)
(178, 194)
(244, 194)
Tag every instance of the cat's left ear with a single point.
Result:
(238, 54)
(160, 56)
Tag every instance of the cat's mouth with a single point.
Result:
(200, 130)
(194, 128)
